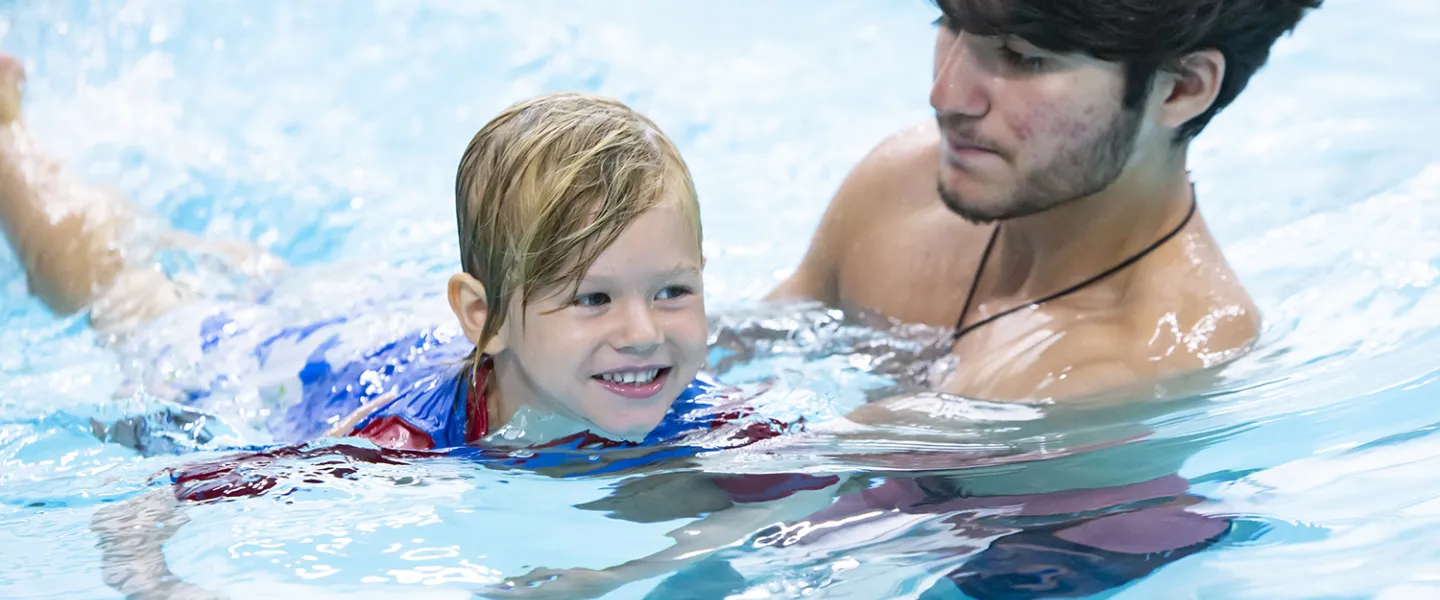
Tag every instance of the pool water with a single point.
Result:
(328, 132)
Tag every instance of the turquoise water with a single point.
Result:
(328, 132)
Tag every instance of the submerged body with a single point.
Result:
(332, 379)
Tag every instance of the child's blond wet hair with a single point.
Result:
(545, 187)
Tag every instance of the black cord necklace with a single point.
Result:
(961, 329)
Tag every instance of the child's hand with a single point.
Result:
(557, 583)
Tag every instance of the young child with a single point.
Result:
(580, 301)
(581, 297)
(581, 325)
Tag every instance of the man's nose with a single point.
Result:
(959, 87)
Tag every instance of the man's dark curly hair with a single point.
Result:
(1146, 36)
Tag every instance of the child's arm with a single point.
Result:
(346, 426)
(132, 539)
(722, 528)
(132, 533)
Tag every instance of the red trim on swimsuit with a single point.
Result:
(477, 408)
(245, 476)
(395, 432)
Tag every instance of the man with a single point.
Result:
(1047, 216)
(1053, 184)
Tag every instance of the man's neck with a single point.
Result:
(1047, 252)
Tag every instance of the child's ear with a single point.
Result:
(467, 300)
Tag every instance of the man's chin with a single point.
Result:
(970, 211)
(982, 213)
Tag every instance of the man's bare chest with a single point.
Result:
(917, 272)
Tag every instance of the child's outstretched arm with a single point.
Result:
(727, 524)
(132, 539)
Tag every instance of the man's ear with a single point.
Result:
(467, 300)
(1190, 90)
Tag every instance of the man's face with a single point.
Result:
(1024, 130)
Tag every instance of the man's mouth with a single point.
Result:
(961, 146)
(634, 383)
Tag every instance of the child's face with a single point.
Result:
(619, 351)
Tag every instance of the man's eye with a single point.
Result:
(1022, 61)
(592, 299)
(673, 292)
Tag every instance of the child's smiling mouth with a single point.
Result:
(634, 383)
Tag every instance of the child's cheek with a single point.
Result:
(696, 331)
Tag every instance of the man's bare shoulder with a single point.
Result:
(1183, 318)
(903, 167)
(1121, 352)
(899, 172)
(1190, 306)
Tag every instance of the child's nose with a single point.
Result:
(639, 332)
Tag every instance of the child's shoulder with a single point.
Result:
(412, 378)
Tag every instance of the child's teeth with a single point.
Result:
(632, 377)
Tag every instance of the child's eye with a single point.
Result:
(673, 292)
(591, 299)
